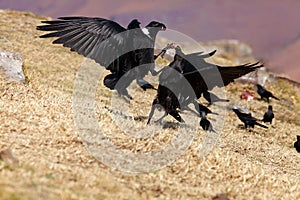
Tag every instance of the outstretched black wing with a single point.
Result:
(96, 38)
(201, 75)
(205, 76)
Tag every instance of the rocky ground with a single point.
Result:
(48, 160)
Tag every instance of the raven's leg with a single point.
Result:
(144, 84)
(112, 82)
(189, 109)
(197, 107)
(160, 119)
(151, 113)
(176, 115)
(123, 92)
(164, 50)
(162, 53)
(206, 96)
(261, 98)
(154, 106)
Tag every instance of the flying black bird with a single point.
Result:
(247, 119)
(204, 123)
(187, 77)
(297, 143)
(212, 98)
(265, 94)
(269, 115)
(118, 49)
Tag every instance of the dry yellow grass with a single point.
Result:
(37, 124)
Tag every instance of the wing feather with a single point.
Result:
(95, 38)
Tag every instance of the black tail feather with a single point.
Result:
(256, 123)
(275, 98)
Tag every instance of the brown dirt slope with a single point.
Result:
(37, 124)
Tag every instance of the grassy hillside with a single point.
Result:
(37, 124)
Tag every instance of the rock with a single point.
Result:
(220, 197)
(7, 157)
(234, 50)
(11, 66)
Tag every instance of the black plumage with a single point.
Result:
(269, 115)
(247, 119)
(188, 76)
(118, 49)
(265, 94)
(204, 76)
(297, 143)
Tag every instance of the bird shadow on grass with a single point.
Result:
(140, 118)
(125, 116)
(250, 130)
(176, 125)
(171, 125)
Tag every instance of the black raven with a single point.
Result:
(247, 119)
(168, 101)
(212, 98)
(269, 115)
(297, 143)
(264, 94)
(173, 92)
(204, 123)
(118, 49)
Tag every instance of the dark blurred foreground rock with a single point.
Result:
(11, 66)
(8, 157)
(220, 197)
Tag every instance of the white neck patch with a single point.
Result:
(146, 32)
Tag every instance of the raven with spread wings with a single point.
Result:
(120, 50)
(187, 77)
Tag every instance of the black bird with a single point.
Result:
(187, 77)
(118, 49)
(212, 98)
(247, 119)
(269, 115)
(297, 143)
(204, 123)
(265, 94)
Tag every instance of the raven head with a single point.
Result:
(134, 24)
(178, 50)
(270, 108)
(259, 86)
(155, 24)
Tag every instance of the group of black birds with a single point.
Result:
(128, 53)
(248, 119)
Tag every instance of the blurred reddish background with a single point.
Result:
(271, 27)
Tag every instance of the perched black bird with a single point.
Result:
(118, 49)
(297, 143)
(212, 98)
(247, 119)
(204, 123)
(264, 94)
(187, 77)
(269, 115)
